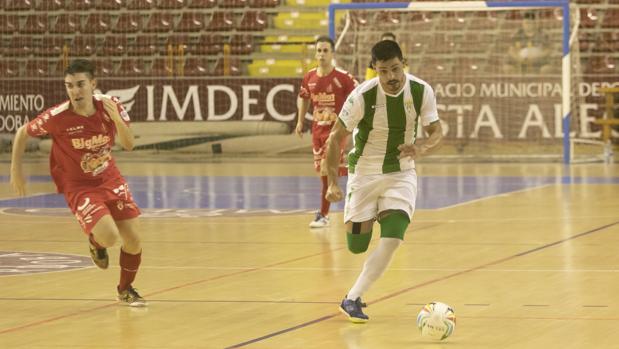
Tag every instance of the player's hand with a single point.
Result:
(111, 109)
(410, 150)
(334, 193)
(299, 129)
(18, 182)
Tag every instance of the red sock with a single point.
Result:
(91, 238)
(129, 265)
(324, 203)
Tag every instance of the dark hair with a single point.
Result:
(81, 66)
(324, 38)
(385, 50)
(389, 34)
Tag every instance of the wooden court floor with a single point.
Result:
(536, 267)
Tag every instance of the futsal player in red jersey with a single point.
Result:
(326, 88)
(83, 130)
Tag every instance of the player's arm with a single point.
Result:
(125, 135)
(19, 147)
(337, 135)
(427, 146)
(302, 106)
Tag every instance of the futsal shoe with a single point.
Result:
(131, 297)
(99, 256)
(320, 221)
(353, 310)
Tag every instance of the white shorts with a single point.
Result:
(368, 195)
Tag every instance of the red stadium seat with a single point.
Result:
(35, 24)
(49, 5)
(172, 4)
(264, 3)
(114, 45)
(19, 46)
(66, 24)
(611, 18)
(8, 24)
(83, 46)
(202, 3)
(253, 21)
(51, 46)
(104, 68)
(207, 45)
(221, 21)
(97, 23)
(241, 44)
(9, 69)
(141, 4)
(81, 5)
(144, 45)
(173, 42)
(196, 66)
(37, 68)
(191, 22)
(17, 5)
(160, 23)
(234, 67)
(162, 67)
(131, 67)
(128, 23)
(232, 3)
(110, 5)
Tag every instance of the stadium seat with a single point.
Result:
(19, 46)
(66, 24)
(37, 68)
(233, 64)
(232, 3)
(128, 23)
(160, 23)
(59, 68)
(35, 24)
(253, 21)
(104, 68)
(9, 69)
(221, 21)
(289, 44)
(162, 67)
(144, 45)
(241, 44)
(611, 18)
(196, 66)
(49, 5)
(114, 45)
(81, 5)
(588, 18)
(141, 4)
(174, 41)
(483, 21)
(264, 3)
(202, 3)
(113, 5)
(603, 65)
(9, 24)
(301, 20)
(51, 46)
(191, 22)
(17, 5)
(83, 45)
(131, 67)
(275, 68)
(172, 4)
(208, 44)
(97, 23)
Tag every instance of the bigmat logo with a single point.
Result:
(19, 263)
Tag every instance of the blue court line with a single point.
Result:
(294, 192)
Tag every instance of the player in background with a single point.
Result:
(83, 130)
(383, 114)
(326, 88)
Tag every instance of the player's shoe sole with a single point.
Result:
(354, 320)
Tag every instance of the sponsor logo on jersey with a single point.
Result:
(94, 142)
(323, 97)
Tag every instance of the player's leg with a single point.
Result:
(130, 260)
(320, 134)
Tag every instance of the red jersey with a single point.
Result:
(81, 155)
(328, 93)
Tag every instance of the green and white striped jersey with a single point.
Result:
(380, 122)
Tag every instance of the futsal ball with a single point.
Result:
(436, 320)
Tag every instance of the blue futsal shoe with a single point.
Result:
(352, 309)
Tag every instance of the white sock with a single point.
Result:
(374, 266)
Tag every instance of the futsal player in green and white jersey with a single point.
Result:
(383, 115)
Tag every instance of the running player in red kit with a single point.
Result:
(83, 130)
(327, 88)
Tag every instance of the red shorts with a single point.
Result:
(320, 134)
(90, 205)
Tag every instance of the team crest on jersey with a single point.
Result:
(408, 106)
(96, 163)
